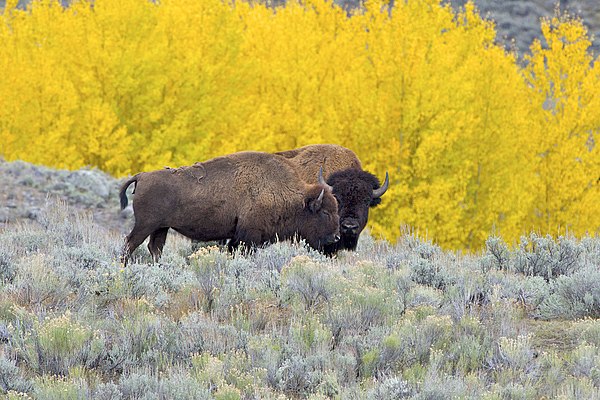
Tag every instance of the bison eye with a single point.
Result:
(327, 214)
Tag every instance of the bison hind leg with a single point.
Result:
(157, 242)
(135, 238)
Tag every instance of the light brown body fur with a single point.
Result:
(308, 159)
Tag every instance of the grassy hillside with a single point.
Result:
(387, 322)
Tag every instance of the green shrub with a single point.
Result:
(308, 281)
(11, 378)
(51, 387)
(545, 257)
(574, 296)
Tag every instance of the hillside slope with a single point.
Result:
(402, 321)
(519, 20)
(25, 188)
(516, 20)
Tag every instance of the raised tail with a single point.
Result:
(123, 192)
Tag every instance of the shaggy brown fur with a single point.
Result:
(355, 190)
(331, 157)
(249, 197)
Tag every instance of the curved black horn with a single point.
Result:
(322, 180)
(379, 192)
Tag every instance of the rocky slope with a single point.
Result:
(519, 20)
(25, 189)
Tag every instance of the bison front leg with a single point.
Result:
(248, 238)
(157, 242)
(233, 245)
(243, 247)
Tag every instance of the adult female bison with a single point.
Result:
(356, 190)
(248, 197)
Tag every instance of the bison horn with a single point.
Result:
(321, 195)
(322, 180)
(377, 193)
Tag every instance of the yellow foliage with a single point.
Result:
(566, 85)
(473, 141)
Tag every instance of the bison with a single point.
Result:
(252, 198)
(356, 190)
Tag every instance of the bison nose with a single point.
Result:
(349, 226)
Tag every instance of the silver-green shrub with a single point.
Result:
(298, 375)
(574, 296)
(7, 265)
(390, 388)
(107, 391)
(543, 256)
(308, 281)
(497, 255)
(430, 272)
(11, 377)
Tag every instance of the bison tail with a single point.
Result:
(123, 192)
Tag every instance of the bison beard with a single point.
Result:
(249, 197)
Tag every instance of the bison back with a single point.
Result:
(308, 160)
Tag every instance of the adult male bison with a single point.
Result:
(356, 190)
(248, 197)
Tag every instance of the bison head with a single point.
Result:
(320, 226)
(356, 191)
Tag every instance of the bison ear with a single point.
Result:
(314, 204)
(375, 201)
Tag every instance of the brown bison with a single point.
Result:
(355, 190)
(248, 197)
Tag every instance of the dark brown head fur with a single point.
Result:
(353, 190)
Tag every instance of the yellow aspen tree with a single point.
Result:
(565, 83)
(455, 109)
